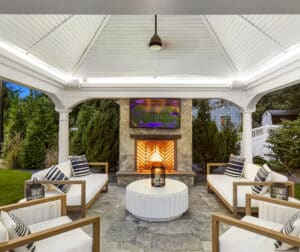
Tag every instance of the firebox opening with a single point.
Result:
(149, 151)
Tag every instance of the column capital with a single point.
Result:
(63, 110)
(248, 110)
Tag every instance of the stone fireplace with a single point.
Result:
(172, 146)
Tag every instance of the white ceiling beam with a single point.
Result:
(91, 43)
(264, 33)
(48, 34)
(142, 7)
(220, 44)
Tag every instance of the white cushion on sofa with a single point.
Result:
(277, 177)
(72, 241)
(66, 168)
(93, 184)
(250, 171)
(3, 233)
(240, 240)
(224, 185)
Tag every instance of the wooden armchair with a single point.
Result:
(67, 225)
(84, 205)
(251, 229)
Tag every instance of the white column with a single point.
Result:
(63, 135)
(247, 151)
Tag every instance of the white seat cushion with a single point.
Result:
(224, 185)
(240, 240)
(71, 241)
(3, 233)
(93, 184)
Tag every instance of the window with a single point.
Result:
(224, 120)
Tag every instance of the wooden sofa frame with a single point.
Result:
(40, 235)
(234, 208)
(83, 207)
(220, 218)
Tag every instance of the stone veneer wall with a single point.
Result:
(184, 144)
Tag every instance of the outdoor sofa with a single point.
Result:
(49, 228)
(84, 190)
(277, 227)
(232, 191)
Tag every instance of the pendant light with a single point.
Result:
(155, 43)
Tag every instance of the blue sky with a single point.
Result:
(24, 91)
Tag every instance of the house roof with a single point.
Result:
(274, 112)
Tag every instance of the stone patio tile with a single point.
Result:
(176, 242)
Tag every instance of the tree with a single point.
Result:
(206, 140)
(288, 98)
(98, 131)
(285, 146)
(210, 145)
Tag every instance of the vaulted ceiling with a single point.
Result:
(225, 47)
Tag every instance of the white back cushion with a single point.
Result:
(250, 171)
(277, 177)
(66, 168)
(3, 233)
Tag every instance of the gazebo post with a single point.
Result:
(247, 151)
(63, 135)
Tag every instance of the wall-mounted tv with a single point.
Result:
(155, 113)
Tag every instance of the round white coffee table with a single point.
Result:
(157, 203)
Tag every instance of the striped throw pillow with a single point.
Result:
(16, 228)
(264, 174)
(292, 227)
(80, 166)
(235, 166)
(54, 174)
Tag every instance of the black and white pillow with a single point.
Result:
(235, 166)
(16, 228)
(292, 227)
(264, 174)
(54, 174)
(80, 166)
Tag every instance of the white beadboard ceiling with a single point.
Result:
(96, 46)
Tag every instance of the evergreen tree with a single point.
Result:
(98, 131)
(285, 146)
(206, 140)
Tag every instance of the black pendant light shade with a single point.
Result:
(155, 43)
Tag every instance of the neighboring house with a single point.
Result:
(274, 117)
(222, 112)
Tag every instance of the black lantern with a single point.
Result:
(35, 190)
(158, 177)
(280, 191)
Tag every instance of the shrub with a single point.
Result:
(285, 146)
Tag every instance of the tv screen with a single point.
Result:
(155, 113)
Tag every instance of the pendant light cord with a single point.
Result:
(155, 24)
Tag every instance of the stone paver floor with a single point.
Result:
(120, 231)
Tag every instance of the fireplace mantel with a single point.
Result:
(155, 137)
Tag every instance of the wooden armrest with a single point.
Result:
(218, 218)
(105, 164)
(209, 165)
(95, 221)
(251, 183)
(290, 184)
(286, 203)
(70, 182)
(61, 197)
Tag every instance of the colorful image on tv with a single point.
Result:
(155, 113)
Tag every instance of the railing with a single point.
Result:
(264, 130)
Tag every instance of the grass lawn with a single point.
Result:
(297, 190)
(12, 185)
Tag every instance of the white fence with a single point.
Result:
(259, 137)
